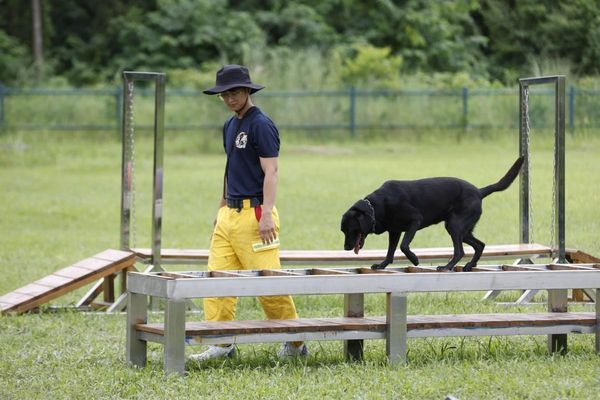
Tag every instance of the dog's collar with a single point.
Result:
(372, 211)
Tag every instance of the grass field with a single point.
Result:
(60, 203)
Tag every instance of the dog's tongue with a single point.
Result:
(357, 244)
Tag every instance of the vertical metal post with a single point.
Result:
(571, 108)
(354, 307)
(396, 327)
(1, 107)
(127, 163)
(559, 168)
(352, 112)
(118, 106)
(174, 350)
(465, 101)
(137, 313)
(524, 176)
(126, 168)
(559, 160)
(159, 128)
(557, 302)
(597, 320)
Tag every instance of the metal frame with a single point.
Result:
(559, 161)
(178, 287)
(126, 166)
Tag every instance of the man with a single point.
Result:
(247, 224)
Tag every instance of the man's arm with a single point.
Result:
(266, 225)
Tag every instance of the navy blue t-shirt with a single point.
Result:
(245, 140)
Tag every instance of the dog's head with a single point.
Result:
(357, 223)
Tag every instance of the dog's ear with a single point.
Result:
(363, 217)
(365, 223)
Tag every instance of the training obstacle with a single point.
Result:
(102, 266)
(177, 288)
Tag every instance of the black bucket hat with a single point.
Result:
(233, 76)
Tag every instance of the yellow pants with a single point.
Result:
(231, 249)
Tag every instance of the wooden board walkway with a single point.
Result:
(225, 330)
(302, 257)
(102, 265)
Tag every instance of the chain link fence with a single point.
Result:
(351, 112)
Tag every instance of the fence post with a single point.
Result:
(352, 111)
(1, 107)
(571, 108)
(465, 101)
(118, 109)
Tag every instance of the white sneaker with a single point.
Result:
(214, 352)
(287, 349)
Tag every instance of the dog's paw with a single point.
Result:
(376, 267)
(445, 268)
(468, 267)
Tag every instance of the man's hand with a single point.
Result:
(266, 228)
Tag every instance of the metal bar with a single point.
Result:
(597, 321)
(157, 192)
(2, 96)
(396, 328)
(465, 108)
(360, 283)
(126, 170)
(539, 80)
(174, 349)
(559, 168)
(137, 313)
(354, 306)
(524, 190)
(558, 302)
(352, 112)
(142, 76)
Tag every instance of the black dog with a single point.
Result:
(408, 206)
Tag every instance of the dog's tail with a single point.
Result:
(506, 180)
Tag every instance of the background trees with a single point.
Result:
(88, 42)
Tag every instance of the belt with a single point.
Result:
(243, 203)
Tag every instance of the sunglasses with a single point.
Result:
(231, 93)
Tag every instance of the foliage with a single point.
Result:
(14, 59)
(495, 40)
(371, 67)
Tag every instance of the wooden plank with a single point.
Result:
(66, 280)
(376, 271)
(521, 268)
(15, 298)
(366, 255)
(53, 281)
(415, 322)
(278, 272)
(572, 267)
(225, 274)
(92, 264)
(328, 271)
(72, 272)
(32, 289)
(114, 255)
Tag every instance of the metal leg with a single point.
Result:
(137, 313)
(174, 358)
(557, 302)
(597, 322)
(527, 296)
(354, 307)
(396, 328)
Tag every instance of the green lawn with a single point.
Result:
(60, 203)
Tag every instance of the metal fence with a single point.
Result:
(350, 111)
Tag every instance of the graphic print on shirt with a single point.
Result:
(241, 140)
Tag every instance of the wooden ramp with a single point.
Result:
(102, 266)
